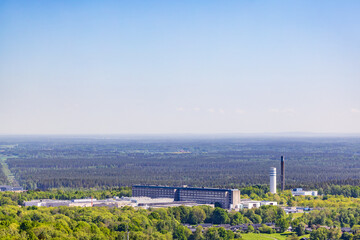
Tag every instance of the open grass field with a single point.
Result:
(260, 236)
(297, 215)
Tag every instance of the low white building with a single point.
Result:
(47, 203)
(271, 203)
(301, 192)
(110, 202)
(250, 204)
(32, 203)
(142, 202)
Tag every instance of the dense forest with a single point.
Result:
(52, 162)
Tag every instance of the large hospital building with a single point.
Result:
(227, 198)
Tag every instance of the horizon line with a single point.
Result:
(257, 134)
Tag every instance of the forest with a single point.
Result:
(86, 162)
(19, 222)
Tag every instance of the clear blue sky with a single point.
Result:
(100, 67)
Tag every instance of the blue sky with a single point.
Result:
(122, 67)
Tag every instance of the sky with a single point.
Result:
(177, 67)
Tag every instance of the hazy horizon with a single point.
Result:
(169, 68)
(274, 135)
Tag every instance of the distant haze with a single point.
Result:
(163, 67)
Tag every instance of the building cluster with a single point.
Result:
(225, 198)
(234, 228)
(5, 188)
(143, 202)
(245, 227)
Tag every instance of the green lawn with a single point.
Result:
(297, 215)
(260, 236)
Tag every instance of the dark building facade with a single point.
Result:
(227, 198)
(154, 192)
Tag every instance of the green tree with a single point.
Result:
(283, 224)
(198, 234)
(265, 229)
(292, 237)
(250, 229)
(197, 215)
(26, 225)
(212, 234)
(184, 213)
(237, 219)
(256, 219)
(347, 236)
(319, 234)
(181, 233)
(334, 233)
(356, 236)
(220, 216)
(355, 229)
(300, 229)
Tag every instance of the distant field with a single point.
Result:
(6, 177)
(80, 162)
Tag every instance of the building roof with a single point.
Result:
(187, 188)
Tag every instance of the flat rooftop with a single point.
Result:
(187, 188)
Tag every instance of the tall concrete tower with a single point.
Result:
(272, 180)
(282, 173)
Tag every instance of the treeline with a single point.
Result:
(99, 223)
(114, 223)
(18, 222)
(89, 163)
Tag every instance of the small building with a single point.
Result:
(346, 229)
(271, 203)
(47, 203)
(293, 210)
(301, 192)
(32, 203)
(250, 204)
(4, 188)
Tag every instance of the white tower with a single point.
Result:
(272, 180)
